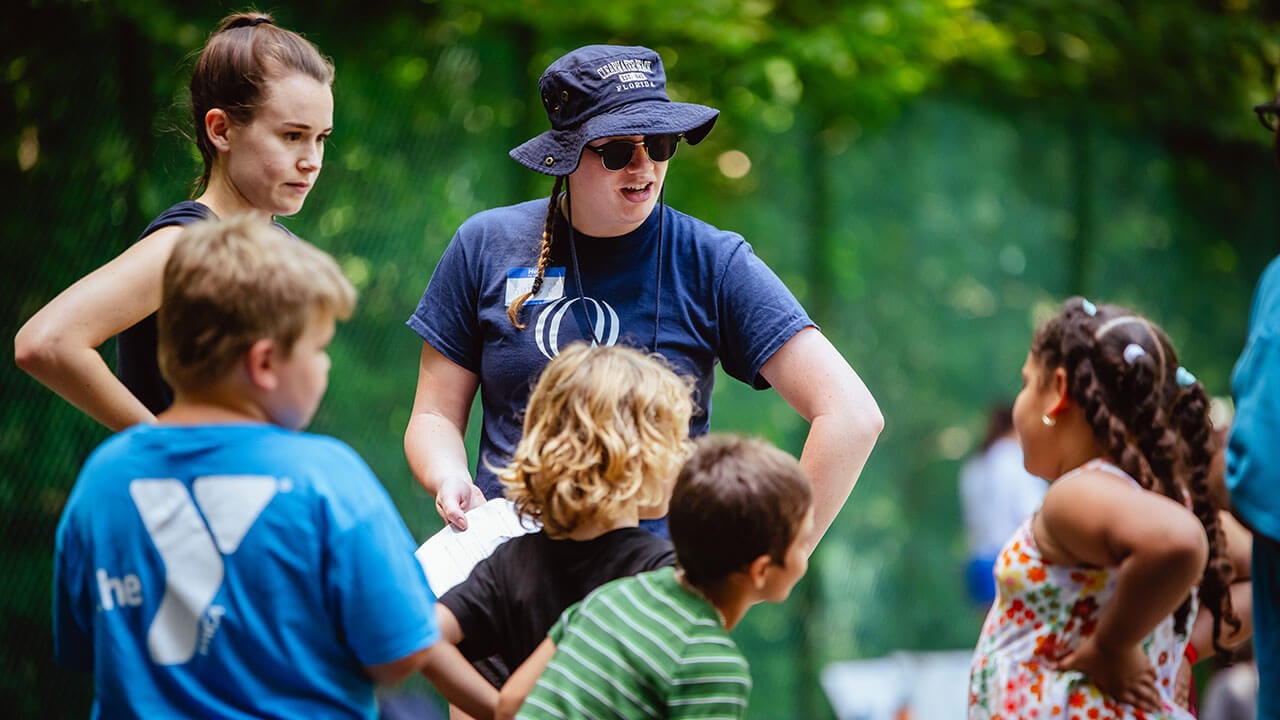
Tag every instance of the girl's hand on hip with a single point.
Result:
(1125, 674)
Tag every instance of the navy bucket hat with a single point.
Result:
(605, 91)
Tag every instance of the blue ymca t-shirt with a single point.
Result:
(234, 571)
(698, 296)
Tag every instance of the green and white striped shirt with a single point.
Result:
(641, 647)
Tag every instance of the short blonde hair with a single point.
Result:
(606, 429)
(229, 283)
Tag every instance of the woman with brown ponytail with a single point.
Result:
(262, 107)
(1098, 591)
(606, 261)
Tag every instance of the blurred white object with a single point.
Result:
(997, 494)
(901, 686)
(1232, 694)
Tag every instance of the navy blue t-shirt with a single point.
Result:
(718, 303)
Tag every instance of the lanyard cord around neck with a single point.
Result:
(577, 275)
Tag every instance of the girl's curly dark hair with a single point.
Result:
(1123, 373)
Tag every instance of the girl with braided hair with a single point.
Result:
(606, 261)
(1097, 592)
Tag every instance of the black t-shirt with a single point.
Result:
(514, 596)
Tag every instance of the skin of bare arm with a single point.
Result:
(521, 682)
(434, 438)
(844, 420)
(1098, 520)
(470, 695)
(59, 344)
(459, 682)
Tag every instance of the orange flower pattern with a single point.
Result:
(1041, 613)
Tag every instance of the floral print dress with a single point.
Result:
(1042, 611)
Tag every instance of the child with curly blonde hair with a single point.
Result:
(605, 433)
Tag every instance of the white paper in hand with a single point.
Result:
(448, 556)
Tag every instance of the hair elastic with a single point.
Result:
(1184, 377)
(1114, 322)
(1133, 351)
(1089, 308)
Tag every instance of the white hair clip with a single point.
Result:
(1184, 377)
(1132, 352)
(1089, 308)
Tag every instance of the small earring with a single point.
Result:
(1050, 421)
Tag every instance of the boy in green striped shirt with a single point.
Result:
(656, 645)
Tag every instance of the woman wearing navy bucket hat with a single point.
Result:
(606, 261)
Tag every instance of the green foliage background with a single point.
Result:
(929, 176)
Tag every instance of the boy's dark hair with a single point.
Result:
(735, 499)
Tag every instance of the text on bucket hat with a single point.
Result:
(606, 91)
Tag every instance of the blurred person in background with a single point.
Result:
(996, 494)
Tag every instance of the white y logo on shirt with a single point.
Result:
(193, 552)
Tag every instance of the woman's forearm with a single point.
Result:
(834, 454)
(844, 419)
(79, 375)
(435, 450)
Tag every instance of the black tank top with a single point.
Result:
(136, 362)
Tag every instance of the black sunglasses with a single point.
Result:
(1267, 114)
(616, 154)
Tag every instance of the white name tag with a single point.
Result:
(520, 281)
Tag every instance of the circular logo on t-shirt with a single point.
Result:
(551, 330)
